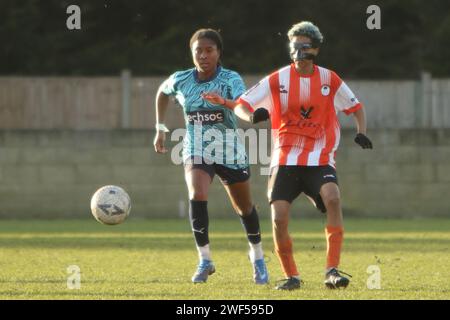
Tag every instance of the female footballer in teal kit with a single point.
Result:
(228, 159)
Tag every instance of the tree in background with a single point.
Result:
(151, 37)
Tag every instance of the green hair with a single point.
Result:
(307, 29)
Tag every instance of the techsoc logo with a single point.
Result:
(205, 117)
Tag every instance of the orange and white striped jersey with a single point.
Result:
(303, 110)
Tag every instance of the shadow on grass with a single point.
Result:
(177, 226)
(220, 243)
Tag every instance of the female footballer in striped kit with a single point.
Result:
(302, 101)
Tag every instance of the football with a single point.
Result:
(110, 205)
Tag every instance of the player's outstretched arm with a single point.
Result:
(243, 113)
(162, 102)
(361, 138)
(240, 110)
(258, 115)
(214, 98)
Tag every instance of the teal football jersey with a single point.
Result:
(211, 129)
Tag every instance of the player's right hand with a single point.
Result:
(213, 98)
(259, 115)
(158, 143)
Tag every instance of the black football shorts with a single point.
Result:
(288, 182)
(227, 175)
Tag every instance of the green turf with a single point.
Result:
(154, 259)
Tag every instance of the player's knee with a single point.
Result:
(198, 195)
(279, 222)
(332, 202)
(244, 210)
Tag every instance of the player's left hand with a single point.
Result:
(259, 115)
(363, 141)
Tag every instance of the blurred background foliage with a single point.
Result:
(151, 37)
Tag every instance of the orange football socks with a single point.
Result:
(286, 257)
(334, 236)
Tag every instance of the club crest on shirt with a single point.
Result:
(325, 90)
(282, 89)
(306, 113)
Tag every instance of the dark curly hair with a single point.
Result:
(210, 34)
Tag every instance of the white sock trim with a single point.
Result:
(204, 253)
(256, 251)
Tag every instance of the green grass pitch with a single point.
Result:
(155, 259)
